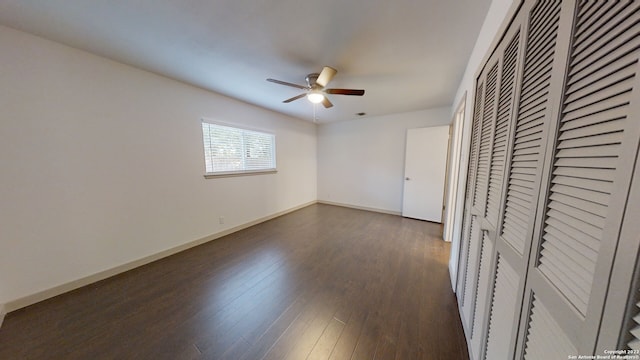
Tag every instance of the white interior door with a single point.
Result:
(424, 169)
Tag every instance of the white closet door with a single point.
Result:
(587, 176)
(503, 301)
(463, 269)
(551, 264)
(479, 256)
(526, 58)
(540, 27)
(471, 247)
(491, 142)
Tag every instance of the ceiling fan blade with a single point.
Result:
(295, 98)
(326, 75)
(327, 104)
(288, 84)
(345, 92)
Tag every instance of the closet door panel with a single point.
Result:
(502, 131)
(504, 311)
(463, 264)
(523, 180)
(475, 246)
(545, 338)
(529, 117)
(476, 273)
(503, 298)
(482, 296)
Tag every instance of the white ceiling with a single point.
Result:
(407, 54)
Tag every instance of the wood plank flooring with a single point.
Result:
(323, 282)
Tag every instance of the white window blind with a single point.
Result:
(232, 150)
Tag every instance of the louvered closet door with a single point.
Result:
(587, 173)
(505, 71)
(526, 63)
(502, 303)
(463, 264)
(491, 311)
(524, 147)
(477, 245)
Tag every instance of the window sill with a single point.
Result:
(239, 173)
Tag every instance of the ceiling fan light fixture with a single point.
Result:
(316, 90)
(315, 97)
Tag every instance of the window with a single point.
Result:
(236, 151)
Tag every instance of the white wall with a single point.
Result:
(361, 162)
(102, 164)
(499, 12)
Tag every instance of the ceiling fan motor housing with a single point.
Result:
(311, 80)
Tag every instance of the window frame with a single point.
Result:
(243, 129)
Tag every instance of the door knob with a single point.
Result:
(407, 178)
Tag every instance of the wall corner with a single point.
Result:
(2, 314)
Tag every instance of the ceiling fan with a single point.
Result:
(316, 90)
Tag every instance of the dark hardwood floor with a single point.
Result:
(323, 282)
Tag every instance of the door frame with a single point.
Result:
(453, 170)
(455, 203)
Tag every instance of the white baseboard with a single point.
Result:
(451, 277)
(75, 284)
(360, 207)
